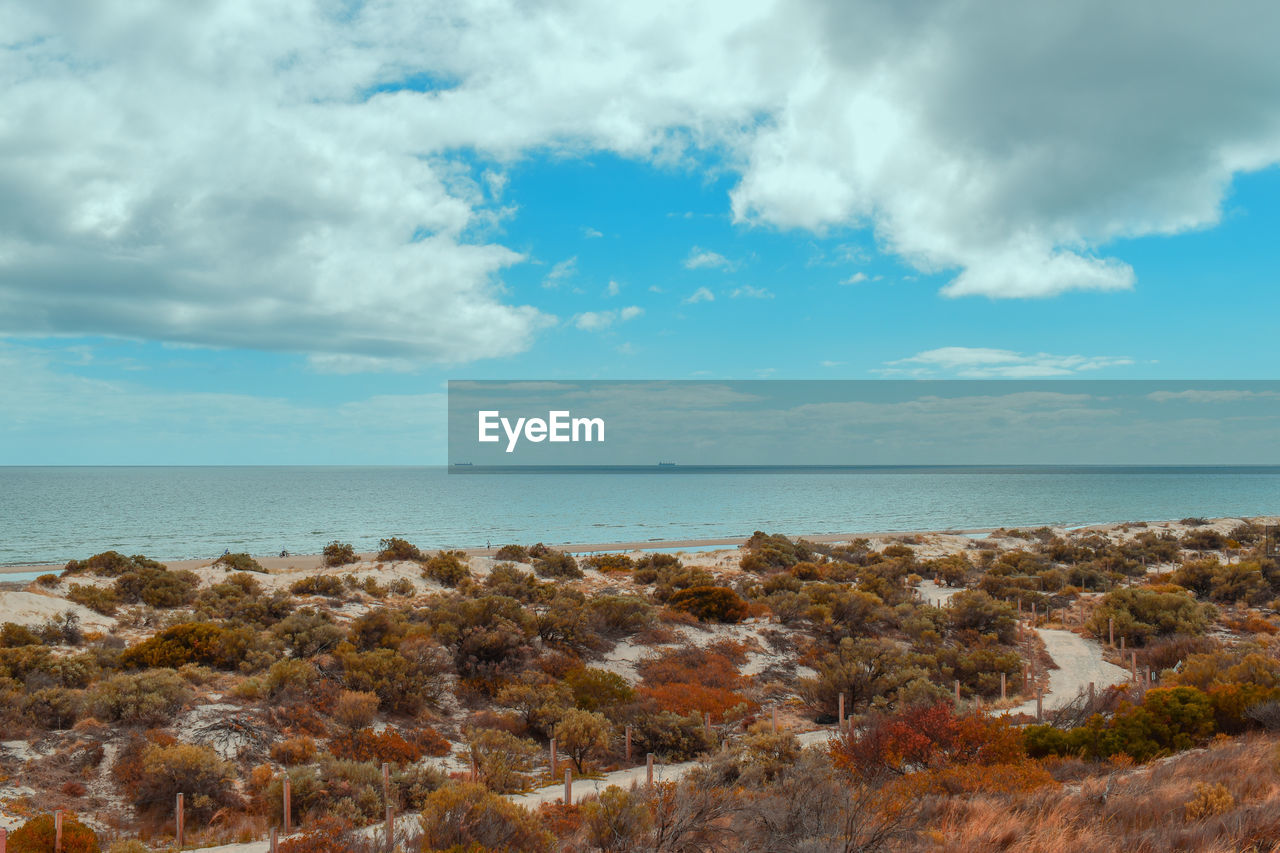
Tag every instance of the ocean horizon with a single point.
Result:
(50, 514)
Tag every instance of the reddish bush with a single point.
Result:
(430, 741)
(368, 745)
(683, 698)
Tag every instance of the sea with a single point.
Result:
(53, 514)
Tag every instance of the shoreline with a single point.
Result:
(306, 561)
(296, 562)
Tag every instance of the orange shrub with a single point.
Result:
(685, 697)
(295, 750)
(37, 836)
(430, 741)
(368, 745)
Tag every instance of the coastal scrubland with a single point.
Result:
(124, 683)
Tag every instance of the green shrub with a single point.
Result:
(974, 610)
(144, 698)
(394, 549)
(503, 760)
(670, 736)
(330, 586)
(100, 599)
(157, 587)
(192, 642)
(598, 689)
(184, 768)
(767, 553)
(449, 568)
(610, 562)
(307, 632)
(239, 563)
(711, 603)
(1141, 615)
(557, 564)
(339, 554)
(111, 564)
(13, 635)
(467, 817)
(53, 707)
(512, 553)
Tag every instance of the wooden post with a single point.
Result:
(840, 719)
(178, 821)
(1091, 693)
(628, 744)
(1122, 643)
(1133, 664)
(568, 786)
(1111, 632)
(553, 756)
(1146, 677)
(275, 841)
(475, 771)
(648, 769)
(1039, 705)
(706, 724)
(1004, 692)
(957, 691)
(4, 839)
(1019, 608)
(57, 831)
(386, 800)
(288, 805)
(775, 719)
(1033, 614)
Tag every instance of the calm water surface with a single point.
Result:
(55, 514)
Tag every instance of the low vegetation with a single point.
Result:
(457, 672)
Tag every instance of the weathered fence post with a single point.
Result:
(288, 805)
(1091, 693)
(628, 744)
(1122, 639)
(1111, 632)
(706, 724)
(57, 831)
(178, 821)
(957, 691)
(568, 786)
(386, 799)
(553, 756)
(275, 840)
(1004, 690)
(4, 839)
(1133, 665)
(840, 720)
(1039, 705)
(775, 719)
(648, 769)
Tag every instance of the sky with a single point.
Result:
(260, 232)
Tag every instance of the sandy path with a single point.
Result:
(1079, 663)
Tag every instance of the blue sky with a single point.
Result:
(283, 252)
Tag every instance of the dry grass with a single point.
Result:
(1224, 798)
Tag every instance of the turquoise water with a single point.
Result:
(55, 514)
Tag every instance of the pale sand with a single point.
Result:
(32, 608)
(949, 540)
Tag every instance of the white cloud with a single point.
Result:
(746, 291)
(561, 271)
(832, 363)
(591, 233)
(598, 321)
(258, 175)
(1211, 396)
(613, 288)
(985, 363)
(856, 278)
(706, 259)
(702, 294)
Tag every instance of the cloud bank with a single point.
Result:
(329, 178)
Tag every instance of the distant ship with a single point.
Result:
(666, 464)
(463, 464)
